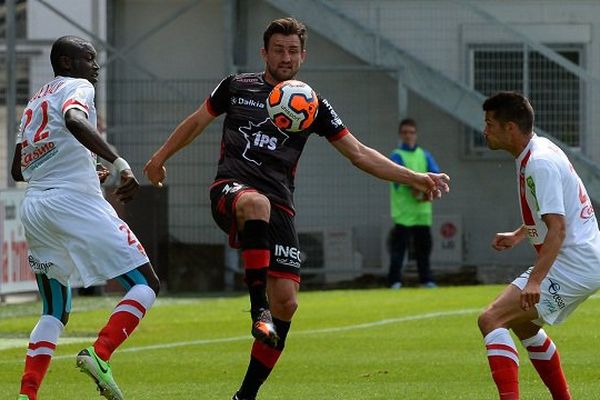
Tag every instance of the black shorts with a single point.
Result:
(283, 239)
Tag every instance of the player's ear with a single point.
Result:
(263, 53)
(65, 63)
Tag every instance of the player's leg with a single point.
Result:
(398, 244)
(283, 285)
(423, 244)
(284, 302)
(502, 354)
(253, 211)
(545, 358)
(142, 286)
(56, 299)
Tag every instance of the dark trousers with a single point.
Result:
(400, 239)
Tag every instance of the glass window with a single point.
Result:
(554, 92)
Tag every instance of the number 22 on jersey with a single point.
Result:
(40, 133)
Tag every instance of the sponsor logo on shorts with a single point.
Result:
(287, 255)
(555, 302)
(234, 187)
(39, 267)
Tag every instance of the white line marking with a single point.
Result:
(198, 342)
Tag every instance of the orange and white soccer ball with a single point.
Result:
(292, 106)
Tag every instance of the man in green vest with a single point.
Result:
(411, 211)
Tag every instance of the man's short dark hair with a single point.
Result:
(285, 26)
(67, 46)
(511, 107)
(407, 121)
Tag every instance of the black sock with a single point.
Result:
(256, 256)
(258, 372)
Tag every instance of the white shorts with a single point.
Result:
(560, 293)
(68, 231)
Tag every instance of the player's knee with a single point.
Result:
(486, 321)
(287, 308)
(253, 206)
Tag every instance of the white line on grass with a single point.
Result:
(366, 325)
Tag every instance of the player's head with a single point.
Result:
(283, 51)
(508, 115)
(74, 57)
(408, 131)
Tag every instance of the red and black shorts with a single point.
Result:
(285, 251)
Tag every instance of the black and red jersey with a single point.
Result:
(253, 150)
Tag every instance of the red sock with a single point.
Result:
(544, 357)
(504, 363)
(37, 362)
(42, 343)
(124, 319)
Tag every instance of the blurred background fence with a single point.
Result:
(376, 61)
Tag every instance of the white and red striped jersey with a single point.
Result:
(548, 184)
(51, 157)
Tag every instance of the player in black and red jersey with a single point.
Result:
(252, 196)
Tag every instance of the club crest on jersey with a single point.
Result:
(258, 140)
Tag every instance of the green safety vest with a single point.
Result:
(405, 208)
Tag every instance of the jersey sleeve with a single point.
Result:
(397, 158)
(328, 124)
(80, 97)
(219, 99)
(432, 165)
(548, 192)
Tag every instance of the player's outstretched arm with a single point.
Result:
(15, 169)
(376, 164)
(185, 133)
(78, 124)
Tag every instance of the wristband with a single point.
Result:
(120, 164)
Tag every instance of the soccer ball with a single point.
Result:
(292, 106)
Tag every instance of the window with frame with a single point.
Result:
(555, 93)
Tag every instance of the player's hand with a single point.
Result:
(433, 185)
(102, 172)
(504, 241)
(129, 185)
(530, 295)
(155, 172)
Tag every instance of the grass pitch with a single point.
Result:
(348, 345)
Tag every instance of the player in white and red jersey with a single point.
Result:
(559, 221)
(68, 224)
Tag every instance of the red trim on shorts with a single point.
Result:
(256, 258)
(286, 209)
(339, 135)
(284, 275)
(210, 108)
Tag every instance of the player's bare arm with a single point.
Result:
(77, 123)
(15, 169)
(549, 251)
(185, 133)
(508, 240)
(376, 164)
